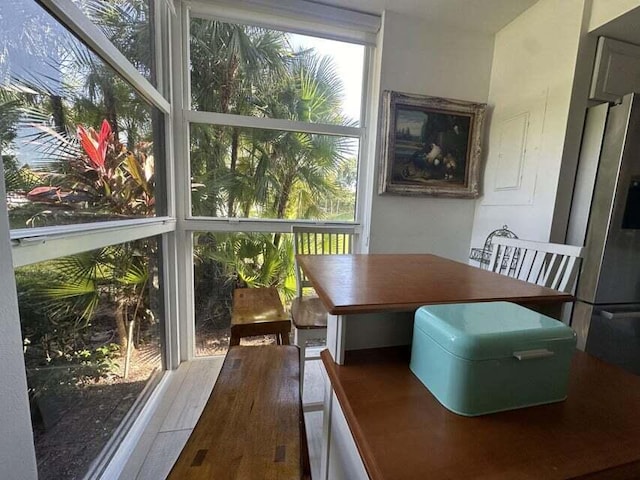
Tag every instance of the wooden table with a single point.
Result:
(402, 432)
(372, 300)
(382, 285)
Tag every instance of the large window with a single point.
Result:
(92, 329)
(276, 123)
(275, 137)
(274, 174)
(77, 140)
(82, 131)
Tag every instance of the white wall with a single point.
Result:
(430, 59)
(530, 93)
(17, 457)
(603, 11)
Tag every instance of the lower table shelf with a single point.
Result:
(401, 431)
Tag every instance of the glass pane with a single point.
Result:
(255, 173)
(129, 26)
(226, 261)
(259, 72)
(76, 141)
(92, 329)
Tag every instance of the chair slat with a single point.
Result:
(547, 264)
(316, 240)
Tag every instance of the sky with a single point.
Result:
(349, 61)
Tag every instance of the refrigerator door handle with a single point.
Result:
(618, 315)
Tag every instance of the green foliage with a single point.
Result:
(263, 173)
(250, 259)
(78, 368)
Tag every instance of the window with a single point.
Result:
(82, 134)
(77, 140)
(275, 123)
(129, 25)
(92, 326)
(275, 174)
(225, 261)
(275, 137)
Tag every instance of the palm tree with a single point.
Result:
(278, 163)
(229, 64)
(128, 25)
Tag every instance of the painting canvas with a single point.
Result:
(431, 146)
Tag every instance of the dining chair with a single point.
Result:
(551, 265)
(308, 315)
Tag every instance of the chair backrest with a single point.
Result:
(551, 265)
(314, 240)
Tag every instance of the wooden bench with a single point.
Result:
(258, 311)
(252, 426)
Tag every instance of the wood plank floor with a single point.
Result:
(188, 390)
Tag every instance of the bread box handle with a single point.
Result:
(532, 354)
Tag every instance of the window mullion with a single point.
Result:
(72, 17)
(49, 246)
(232, 120)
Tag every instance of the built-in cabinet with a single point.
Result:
(616, 70)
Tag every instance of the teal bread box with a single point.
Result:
(479, 358)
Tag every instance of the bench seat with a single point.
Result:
(252, 426)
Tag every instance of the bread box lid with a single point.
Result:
(490, 330)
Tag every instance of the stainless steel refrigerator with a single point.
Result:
(606, 216)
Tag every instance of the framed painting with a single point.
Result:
(430, 146)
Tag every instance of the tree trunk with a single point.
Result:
(110, 105)
(121, 325)
(235, 139)
(283, 199)
(57, 110)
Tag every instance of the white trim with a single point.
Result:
(366, 157)
(233, 120)
(296, 16)
(72, 17)
(187, 326)
(19, 234)
(52, 244)
(172, 302)
(202, 224)
(17, 454)
(369, 159)
(183, 244)
(326, 424)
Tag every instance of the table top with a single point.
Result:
(257, 305)
(402, 431)
(402, 282)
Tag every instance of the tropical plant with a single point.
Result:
(225, 261)
(127, 23)
(230, 64)
(110, 179)
(117, 182)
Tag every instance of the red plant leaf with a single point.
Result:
(88, 142)
(103, 139)
(40, 191)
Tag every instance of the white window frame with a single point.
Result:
(46, 243)
(224, 13)
(29, 246)
(290, 16)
